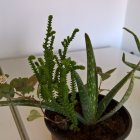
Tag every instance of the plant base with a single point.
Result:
(116, 127)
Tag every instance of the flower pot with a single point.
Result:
(116, 127)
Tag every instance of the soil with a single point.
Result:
(110, 129)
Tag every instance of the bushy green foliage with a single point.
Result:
(56, 94)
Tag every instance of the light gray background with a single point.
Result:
(23, 23)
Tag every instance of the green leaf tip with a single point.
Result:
(86, 35)
(131, 65)
(50, 17)
(31, 57)
(76, 30)
(122, 101)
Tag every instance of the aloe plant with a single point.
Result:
(138, 47)
(55, 93)
(93, 109)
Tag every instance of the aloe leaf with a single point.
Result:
(128, 63)
(135, 37)
(107, 99)
(123, 100)
(92, 80)
(84, 98)
(34, 114)
(107, 74)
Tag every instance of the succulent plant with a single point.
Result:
(55, 93)
(138, 47)
(137, 41)
(52, 75)
(93, 109)
(51, 72)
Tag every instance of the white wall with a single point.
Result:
(23, 23)
(133, 23)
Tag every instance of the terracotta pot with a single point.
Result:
(58, 134)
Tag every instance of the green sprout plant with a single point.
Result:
(54, 91)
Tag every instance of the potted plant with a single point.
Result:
(74, 111)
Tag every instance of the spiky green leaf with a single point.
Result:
(128, 63)
(107, 74)
(84, 98)
(123, 100)
(135, 37)
(92, 79)
(103, 104)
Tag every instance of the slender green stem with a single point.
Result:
(23, 102)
